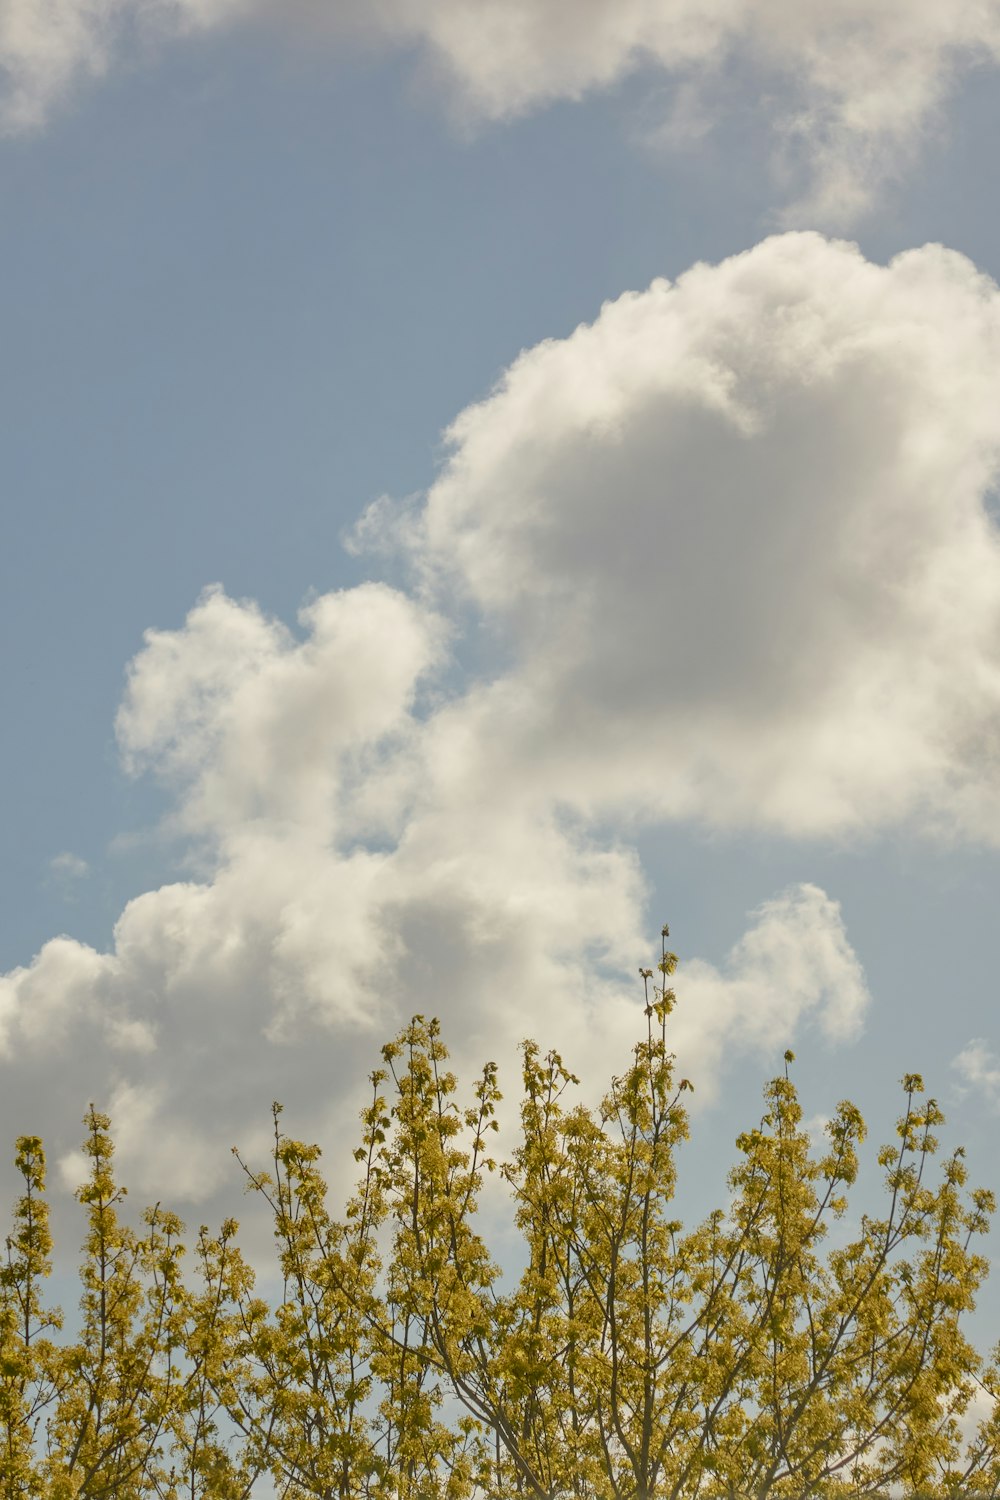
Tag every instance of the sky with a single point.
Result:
(481, 480)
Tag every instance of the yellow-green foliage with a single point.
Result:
(629, 1358)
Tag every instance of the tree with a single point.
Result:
(623, 1358)
(632, 1359)
(124, 1410)
(28, 1383)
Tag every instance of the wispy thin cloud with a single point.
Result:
(69, 867)
(978, 1068)
(850, 91)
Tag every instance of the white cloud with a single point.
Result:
(253, 727)
(175, 1030)
(734, 544)
(733, 541)
(849, 88)
(69, 867)
(736, 535)
(978, 1067)
(304, 947)
(44, 48)
(794, 961)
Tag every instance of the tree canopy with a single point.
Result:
(623, 1356)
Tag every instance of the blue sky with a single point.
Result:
(251, 275)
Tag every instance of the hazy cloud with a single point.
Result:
(849, 89)
(978, 1068)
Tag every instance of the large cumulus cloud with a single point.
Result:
(734, 547)
(850, 88)
(738, 536)
(317, 926)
